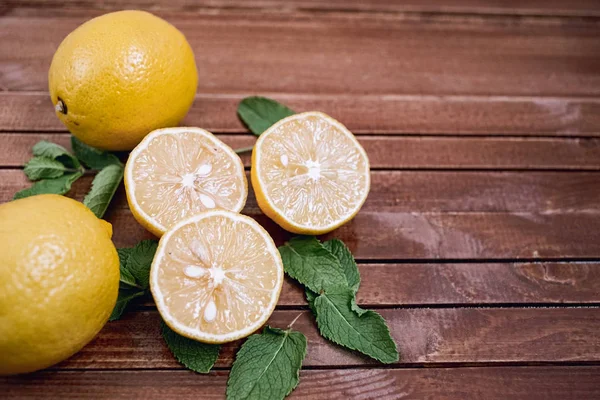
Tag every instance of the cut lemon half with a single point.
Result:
(309, 173)
(216, 276)
(178, 172)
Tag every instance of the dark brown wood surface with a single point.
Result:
(480, 240)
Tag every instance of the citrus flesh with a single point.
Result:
(121, 75)
(309, 173)
(178, 172)
(59, 279)
(216, 276)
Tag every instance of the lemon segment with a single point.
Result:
(216, 276)
(178, 172)
(309, 173)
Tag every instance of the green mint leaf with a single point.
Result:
(259, 113)
(126, 294)
(93, 158)
(267, 366)
(126, 278)
(55, 152)
(60, 185)
(197, 356)
(43, 168)
(140, 260)
(346, 259)
(307, 261)
(366, 332)
(104, 186)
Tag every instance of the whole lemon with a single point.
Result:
(59, 280)
(121, 75)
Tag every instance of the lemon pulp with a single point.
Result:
(216, 276)
(310, 174)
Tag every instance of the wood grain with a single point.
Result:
(424, 336)
(546, 193)
(348, 54)
(469, 226)
(528, 7)
(364, 114)
(392, 152)
(455, 235)
(499, 383)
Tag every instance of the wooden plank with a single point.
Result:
(583, 8)
(424, 337)
(388, 229)
(395, 152)
(348, 54)
(365, 114)
(429, 192)
(496, 383)
(455, 235)
(467, 284)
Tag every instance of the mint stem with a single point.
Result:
(294, 321)
(244, 149)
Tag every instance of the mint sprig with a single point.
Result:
(54, 170)
(331, 294)
(259, 113)
(267, 366)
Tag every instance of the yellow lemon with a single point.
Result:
(121, 75)
(59, 280)
(216, 276)
(309, 173)
(178, 172)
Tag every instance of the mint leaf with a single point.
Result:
(267, 366)
(126, 294)
(93, 158)
(60, 185)
(140, 261)
(126, 277)
(306, 260)
(197, 356)
(366, 331)
(43, 168)
(55, 152)
(346, 259)
(104, 186)
(259, 113)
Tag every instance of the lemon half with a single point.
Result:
(309, 173)
(216, 276)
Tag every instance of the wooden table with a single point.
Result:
(480, 240)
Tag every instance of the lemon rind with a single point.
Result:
(140, 215)
(274, 212)
(196, 334)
